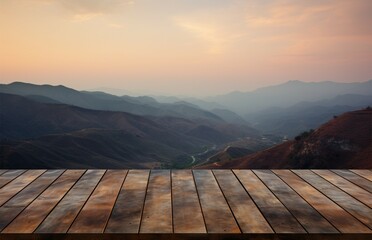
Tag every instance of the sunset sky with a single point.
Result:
(184, 47)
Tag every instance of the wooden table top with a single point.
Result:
(181, 204)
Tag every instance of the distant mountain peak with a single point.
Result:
(19, 83)
(295, 81)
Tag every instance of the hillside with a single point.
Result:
(43, 135)
(90, 148)
(142, 106)
(302, 116)
(344, 142)
(287, 94)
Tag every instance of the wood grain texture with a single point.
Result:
(35, 213)
(245, 211)
(356, 179)
(367, 174)
(217, 214)
(342, 220)
(62, 216)
(20, 201)
(96, 212)
(350, 204)
(18, 184)
(157, 212)
(280, 219)
(185, 204)
(187, 215)
(309, 218)
(127, 212)
(2, 171)
(8, 176)
(353, 190)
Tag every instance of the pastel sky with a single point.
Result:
(184, 47)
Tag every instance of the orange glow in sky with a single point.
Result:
(184, 47)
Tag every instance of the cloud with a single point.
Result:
(93, 6)
(285, 15)
(83, 10)
(328, 17)
(215, 42)
(217, 28)
(319, 28)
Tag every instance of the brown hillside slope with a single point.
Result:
(343, 142)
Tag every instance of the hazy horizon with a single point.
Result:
(122, 92)
(184, 48)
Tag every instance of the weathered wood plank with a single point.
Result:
(350, 204)
(309, 218)
(9, 176)
(157, 212)
(62, 216)
(245, 211)
(20, 201)
(187, 215)
(217, 214)
(184, 202)
(341, 219)
(96, 212)
(35, 213)
(367, 174)
(280, 219)
(126, 215)
(2, 171)
(353, 190)
(356, 179)
(12, 188)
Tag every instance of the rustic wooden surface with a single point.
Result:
(185, 204)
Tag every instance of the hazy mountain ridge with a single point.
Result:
(287, 94)
(302, 116)
(104, 101)
(230, 116)
(38, 121)
(344, 142)
(58, 133)
(286, 109)
(206, 105)
(290, 108)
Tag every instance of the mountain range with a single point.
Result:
(287, 109)
(44, 126)
(302, 116)
(343, 142)
(52, 135)
(102, 101)
(288, 94)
